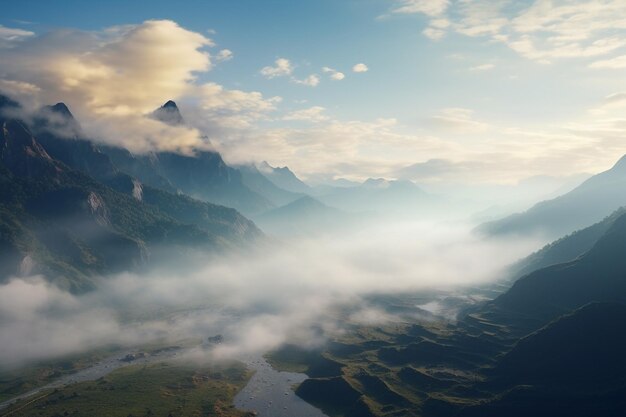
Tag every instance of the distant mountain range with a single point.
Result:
(260, 183)
(305, 217)
(381, 196)
(284, 178)
(588, 203)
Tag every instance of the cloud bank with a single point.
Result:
(257, 301)
(540, 30)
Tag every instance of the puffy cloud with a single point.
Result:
(334, 74)
(112, 78)
(281, 68)
(221, 109)
(224, 55)
(311, 81)
(434, 33)
(435, 9)
(360, 68)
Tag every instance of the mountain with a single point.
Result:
(382, 196)
(203, 175)
(305, 216)
(83, 155)
(284, 178)
(575, 367)
(60, 134)
(566, 248)
(259, 183)
(169, 113)
(59, 221)
(587, 204)
(545, 294)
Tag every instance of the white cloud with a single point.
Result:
(427, 7)
(12, 34)
(334, 74)
(311, 81)
(434, 33)
(236, 295)
(312, 114)
(360, 68)
(281, 68)
(224, 55)
(230, 109)
(542, 30)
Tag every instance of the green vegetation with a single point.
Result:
(18, 381)
(161, 389)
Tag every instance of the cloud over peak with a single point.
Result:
(112, 78)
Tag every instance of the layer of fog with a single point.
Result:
(296, 292)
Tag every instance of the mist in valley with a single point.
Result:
(291, 290)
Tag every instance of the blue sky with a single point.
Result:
(467, 80)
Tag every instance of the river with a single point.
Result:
(269, 393)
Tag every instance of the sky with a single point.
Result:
(478, 91)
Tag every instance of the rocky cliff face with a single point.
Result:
(21, 154)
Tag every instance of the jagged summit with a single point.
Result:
(170, 104)
(60, 109)
(284, 178)
(57, 119)
(169, 113)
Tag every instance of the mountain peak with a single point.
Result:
(283, 177)
(169, 113)
(170, 104)
(57, 119)
(60, 109)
